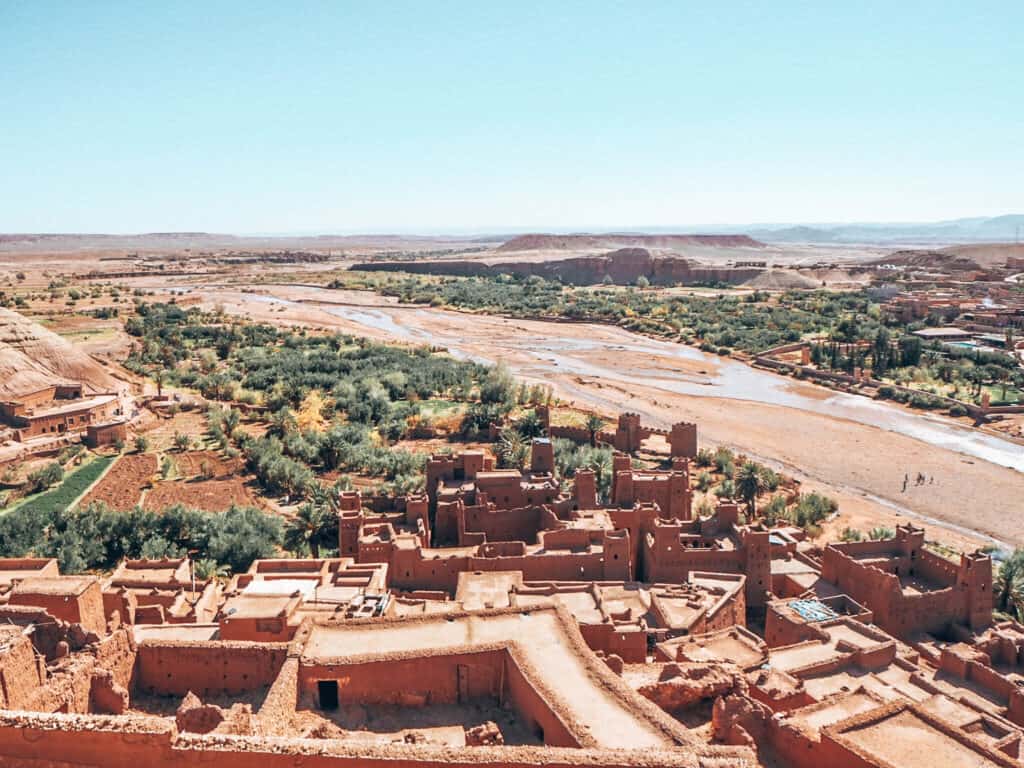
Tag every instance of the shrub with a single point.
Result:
(45, 477)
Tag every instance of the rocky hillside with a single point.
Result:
(32, 357)
(541, 242)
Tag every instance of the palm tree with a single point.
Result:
(530, 425)
(750, 485)
(601, 463)
(512, 448)
(594, 426)
(208, 568)
(309, 527)
(1008, 588)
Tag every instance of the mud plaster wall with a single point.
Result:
(68, 687)
(150, 742)
(177, 668)
(519, 524)
(282, 699)
(21, 674)
(534, 710)
(442, 679)
(630, 645)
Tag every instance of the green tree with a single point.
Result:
(530, 425)
(750, 485)
(310, 528)
(244, 534)
(513, 449)
(594, 425)
(1008, 588)
(182, 441)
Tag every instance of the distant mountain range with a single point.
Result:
(1007, 228)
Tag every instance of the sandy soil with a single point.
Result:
(861, 466)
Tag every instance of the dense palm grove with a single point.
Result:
(335, 403)
(751, 323)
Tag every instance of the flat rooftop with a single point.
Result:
(58, 586)
(540, 636)
(907, 740)
(72, 406)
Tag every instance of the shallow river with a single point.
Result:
(552, 352)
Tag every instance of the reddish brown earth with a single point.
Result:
(209, 463)
(208, 495)
(122, 486)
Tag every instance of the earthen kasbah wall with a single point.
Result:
(22, 673)
(961, 594)
(457, 678)
(46, 741)
(175, 668)
(665, 559)
(623, 266)
(426, 569)
(69, 687)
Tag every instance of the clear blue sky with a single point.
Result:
(439, 116)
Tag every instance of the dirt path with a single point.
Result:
(613, 370)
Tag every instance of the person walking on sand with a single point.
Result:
(905, 479)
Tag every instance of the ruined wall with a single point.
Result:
(22, 673)
(68, 688)
(666, 560)
(905, 614)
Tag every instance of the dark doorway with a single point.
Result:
(328, 690)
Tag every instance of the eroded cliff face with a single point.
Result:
(31, 357)
(623, 267)
(545, 242)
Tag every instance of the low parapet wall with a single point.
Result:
(49, 741)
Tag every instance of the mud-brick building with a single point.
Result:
(909, 589)
(58, 409)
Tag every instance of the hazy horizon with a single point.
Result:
(453, 118)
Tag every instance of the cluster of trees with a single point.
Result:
(570, 457)
(336, 401)
(96, 538)
(45, 477)
(875, 534)
(751, 323)
(906, 359)
(1008, 589)
(746, 484)
(283, 464)
(251, 362)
